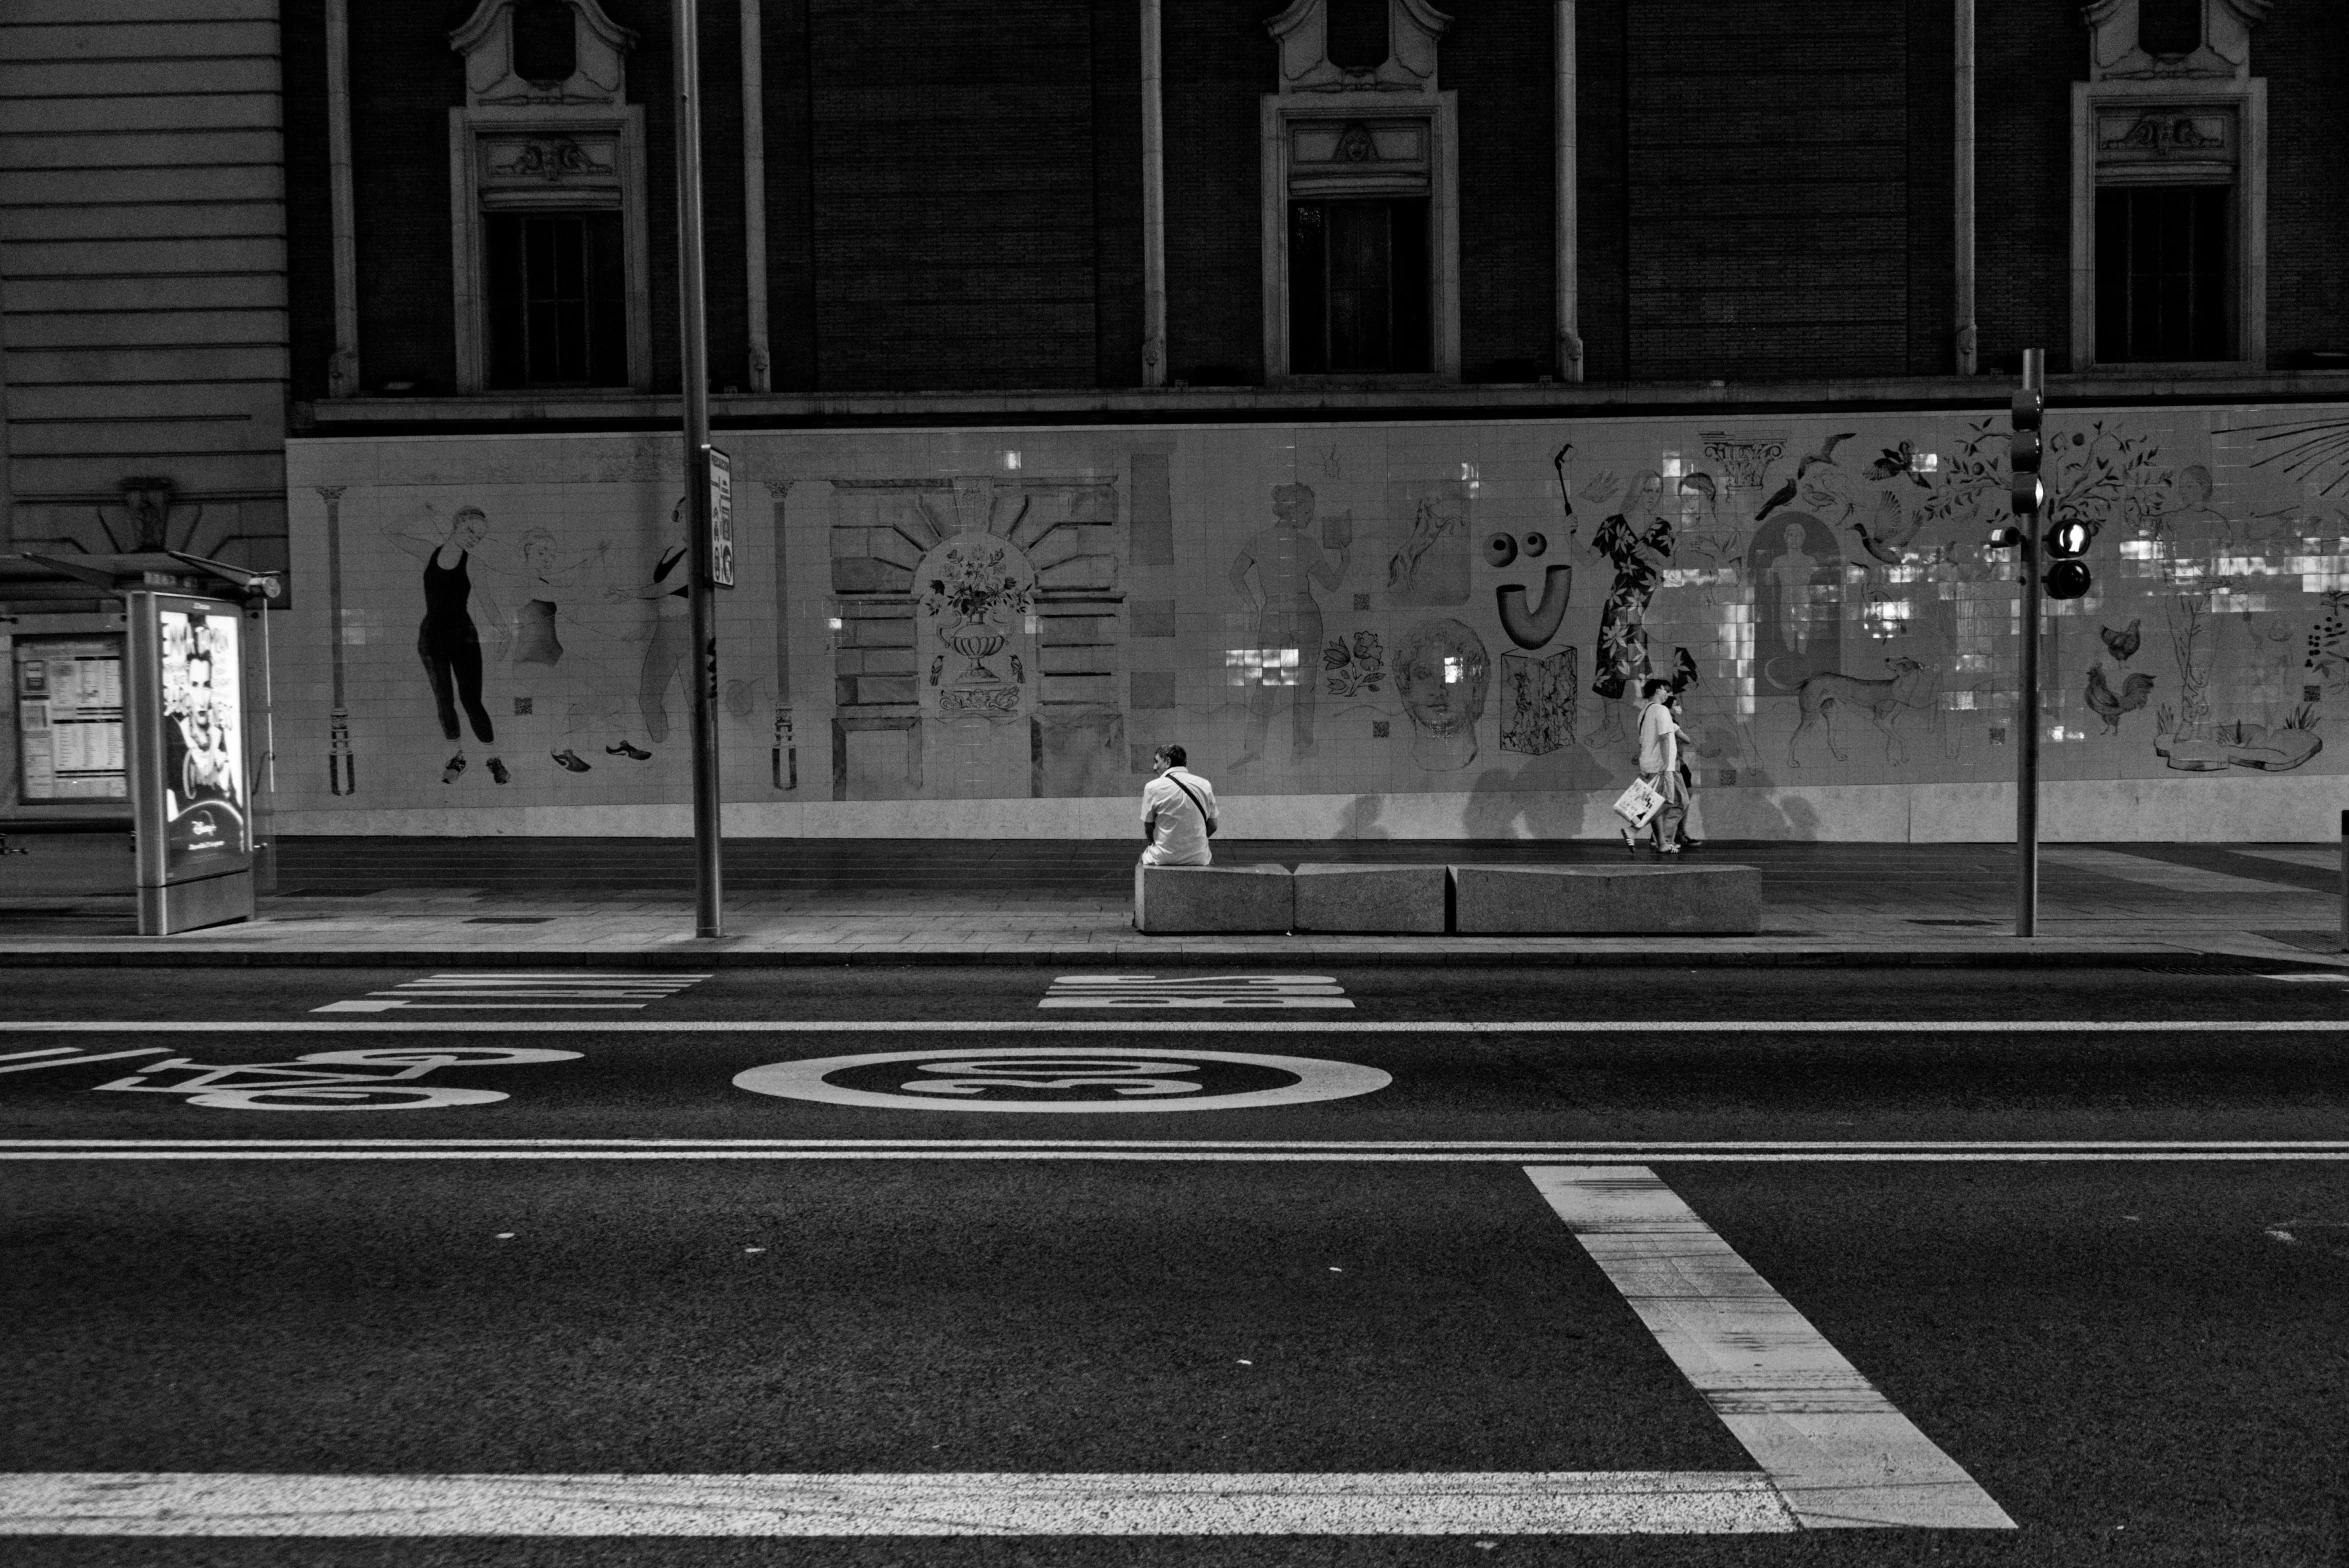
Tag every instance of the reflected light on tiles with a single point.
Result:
(1260, 666)
(1453, 670)
(1011, 461)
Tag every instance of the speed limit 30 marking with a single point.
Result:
(1196, 991)
(1062, 1080)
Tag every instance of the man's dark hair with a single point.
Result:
(1175, 756)
(1654, 684)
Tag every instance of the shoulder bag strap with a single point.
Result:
(1187, 795)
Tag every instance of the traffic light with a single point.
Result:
(2023, 449)
(2065, 543)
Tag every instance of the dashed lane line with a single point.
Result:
(1189, 1026)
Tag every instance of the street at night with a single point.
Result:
(2047, 1268)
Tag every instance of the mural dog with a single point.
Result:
(1910, 685)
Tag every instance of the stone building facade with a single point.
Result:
(1364, 394)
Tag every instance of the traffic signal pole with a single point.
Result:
(693, 334)
(2029, 496)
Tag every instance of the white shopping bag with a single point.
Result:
(1639, 804)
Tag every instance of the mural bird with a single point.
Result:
(1896, 461)
(2122, 645)
(2110, 704)
(1890, 538)
(1786, 492)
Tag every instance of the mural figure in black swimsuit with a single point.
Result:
(446, 639)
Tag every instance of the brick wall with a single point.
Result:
(1219, 64)
(2302, 51)
(404, 81)
(1500, 52)
(2027, 53)
(1932, 189)
(954, 195)
(1768, 214)
(1603, 153)
(1117, 193)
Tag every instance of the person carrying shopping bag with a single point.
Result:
(1659, 765)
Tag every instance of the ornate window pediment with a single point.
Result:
(598, 55)
(2117, 52)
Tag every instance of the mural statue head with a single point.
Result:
(1292, 504)
(538, 550)
(1441, 673)
(2194, 484)
(1646, 496)
(469, 527)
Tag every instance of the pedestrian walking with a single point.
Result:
(1687, 777)
(1178, 812)
(1659, 764)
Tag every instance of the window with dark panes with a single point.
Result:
(546, 40)
(1358, 286)
(2164, 273)
(558, 309)
(2169, 27)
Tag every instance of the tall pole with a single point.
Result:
(2027, 700)
(1153, 196)
(1968, 335)
(693, 334)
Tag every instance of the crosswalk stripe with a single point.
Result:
(951, 1504)
(1839, 1451)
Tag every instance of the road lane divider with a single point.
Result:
(1251, 991)
(1837, 1450)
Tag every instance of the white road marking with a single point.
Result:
(75, 1058)
(1439, 1503)
(48, 1050)
(539, 989)
(1256, 991)
(1836, 1449)
(1164, 1149)
(2326, 974)
(1034, 1080)
(1193, 1026)
(2162, 873)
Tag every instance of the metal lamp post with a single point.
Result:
(693, 335)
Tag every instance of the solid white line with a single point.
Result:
(1437, 1503)
(1841, 1453)
(50, 1050)
(1511, 1148)
(1193, 1026)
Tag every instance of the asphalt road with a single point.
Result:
(2041, 1268)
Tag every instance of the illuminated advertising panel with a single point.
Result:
(69, 699)
(188, 658)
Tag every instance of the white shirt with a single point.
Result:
(1182, 832)
(1659, 748)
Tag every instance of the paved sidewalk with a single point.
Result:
(457, 902)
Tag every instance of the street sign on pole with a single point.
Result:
(721, 516)
(2030, 495)
(700, 485)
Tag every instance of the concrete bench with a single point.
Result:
(1357, 897)
(1178, 899)
(1596, 901)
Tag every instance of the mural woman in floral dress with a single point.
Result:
(1636, 540)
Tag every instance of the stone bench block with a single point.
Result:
(1354, 897)
(1595, 901)
(1174, 899)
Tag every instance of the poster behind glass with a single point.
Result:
(69, 719)
(206, 806)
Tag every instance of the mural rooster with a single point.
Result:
(2110, 704)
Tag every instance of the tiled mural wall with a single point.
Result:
(1355, 629)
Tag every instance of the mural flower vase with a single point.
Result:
(975, 588)
(976, 641)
